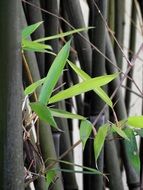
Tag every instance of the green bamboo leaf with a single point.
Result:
(94, 171)
(54, 73)
(76, 171)
(43, 113)
(50, 176)
(85, 131)
(135, 121)
(82, 87)
(120, 132)
(84, 76)
(34, 46)
(31, 88)
(30, 29)
(132, 149)
(65, 114)
(99, 140)
(63, 34)
(139, 132)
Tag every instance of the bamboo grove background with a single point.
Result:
(98, 52)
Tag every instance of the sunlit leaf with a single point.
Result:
(84, 76)
(43, 113)
(85, 131)
(31, 88)
(54, 73)
(99, 140)
(135, 121)
(26, 32)
(63, 34)
(65, 114)
(120, 132)
(50, 176)
(82, 87)
(34, 46)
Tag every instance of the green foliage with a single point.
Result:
(54, 73)
(99, 140)
(27, 31)
(132, 149)
(135, 121)
(85, 131)
(120, 132)
(86, 169)
(82, 87)
(84, 76)
(31, 88)
(61, 35)
(34, 46)
(65, 114)
(45, 98)
(43, 113)
(50, 176)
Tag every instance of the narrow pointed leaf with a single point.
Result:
(139, 132)
(99, 140)
(50, 176)
(135, 121)
(81, 166)
(85, 131)
(65, 114)
(84, 76)
(34, 46)
(76, 171)
(43, 113)
(26, 32)
(63, 34)
(82, 87)
(132, 149)
(31, 88)
(120, 132)
(54, 73)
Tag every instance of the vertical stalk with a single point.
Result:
(98, 68)
(83, 47)
(11, 149)
(51, 24)
(132, 43)
(119, 29)
(111, 17)
(112, 165)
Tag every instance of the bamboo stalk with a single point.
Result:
(83, 47)
(11, 148)
(51, 24)
(112, 165)
(132, 43)
(111, 17)
(96, 104)
(119, 30)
